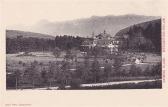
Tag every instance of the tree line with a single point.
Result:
(21, 44)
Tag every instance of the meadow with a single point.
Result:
(106, 69)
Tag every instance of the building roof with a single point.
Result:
(103, 35)
(102, 40)
(87, 42)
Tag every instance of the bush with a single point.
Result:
(135, 71)
(156, 70)
(75, 83)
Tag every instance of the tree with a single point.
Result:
(51, 73)
(70, 54)
(117, 64)
(132, 70)
(20, 62)
(135, 71)
(75, 83)
(147, 71)
(17, 75)
(64, 75)
(107, 70)
(44, 76)
(95, 69)
(96, 51)
(56, 52)
(84, 71)
(32, 73)
(156, 70)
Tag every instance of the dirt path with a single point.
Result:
(98, 84)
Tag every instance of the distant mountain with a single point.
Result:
(16, 33)
(143, 36)
(85, 27)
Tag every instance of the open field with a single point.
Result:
(48, 63)
(13, 62)
(45, 57)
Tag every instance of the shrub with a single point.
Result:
(156, 70)
(135, 71)
(75, 83)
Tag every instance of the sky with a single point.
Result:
(29, 12)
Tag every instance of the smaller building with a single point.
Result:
(137, 61)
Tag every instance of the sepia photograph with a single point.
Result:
(97, 52)
(83, 53)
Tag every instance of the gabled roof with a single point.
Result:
(87, 42)
(103, 35)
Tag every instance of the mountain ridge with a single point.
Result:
(84, 27)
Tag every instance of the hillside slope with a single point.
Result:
(144, 36)
(16, 33)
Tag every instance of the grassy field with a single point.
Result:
(19, 62)
(46, 57)
(13, 63)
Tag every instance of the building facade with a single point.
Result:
(102, 40)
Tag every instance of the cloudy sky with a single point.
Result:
(28, 12)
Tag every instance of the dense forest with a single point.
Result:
(144, 36)
(21, 44)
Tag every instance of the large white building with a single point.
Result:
(103, 40)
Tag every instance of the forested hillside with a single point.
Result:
(144, 36)
(28, 44)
